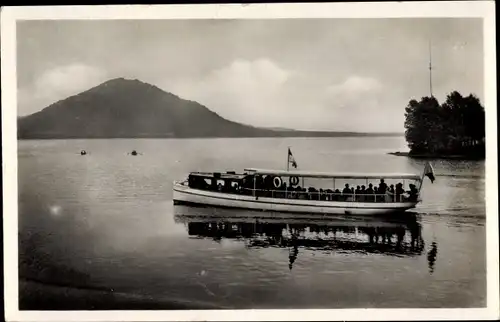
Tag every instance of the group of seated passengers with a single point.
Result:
(265, 188)
(380, 193)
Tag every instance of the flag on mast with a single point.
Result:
(291, 159)
(429, 171)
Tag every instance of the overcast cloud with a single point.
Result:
(323, 74)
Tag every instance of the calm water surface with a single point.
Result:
(106, 221)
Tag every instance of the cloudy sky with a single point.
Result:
(322, 74)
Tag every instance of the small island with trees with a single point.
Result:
(454, 129)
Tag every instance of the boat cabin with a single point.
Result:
(321, 186)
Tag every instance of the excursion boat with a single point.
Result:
(284, 191)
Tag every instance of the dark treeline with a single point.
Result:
(456, 127)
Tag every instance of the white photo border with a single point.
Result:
(463, 9)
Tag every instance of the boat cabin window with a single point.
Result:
(198, 182)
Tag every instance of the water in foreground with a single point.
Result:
(100, 231)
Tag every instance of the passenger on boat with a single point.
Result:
(329, 194)
(362, 196)
(382, 186)
(357, 193)
(413, 192)
(391, 192)
(346, 193)
(284, 187)
(313, 193)
(399, 191)
(259, 182)
(303, 194)
(268, 182)
(382, 189)
(375, 192)
(369, 193)
(337, 195)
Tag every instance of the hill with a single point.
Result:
(121, 108)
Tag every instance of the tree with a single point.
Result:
(455, 127)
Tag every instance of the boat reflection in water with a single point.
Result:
(388, 236)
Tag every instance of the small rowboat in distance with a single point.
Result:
(285, 191)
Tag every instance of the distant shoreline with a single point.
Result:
(436, 156)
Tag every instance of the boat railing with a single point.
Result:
(327, 196)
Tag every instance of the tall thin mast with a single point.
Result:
(430, 68)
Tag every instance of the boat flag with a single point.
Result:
(291, 159)
(429, 171)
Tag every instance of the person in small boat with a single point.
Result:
(369, 193)
(346, 193)
(83, 152)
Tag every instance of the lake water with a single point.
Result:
(105, 224)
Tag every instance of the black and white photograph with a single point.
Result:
(246, 162)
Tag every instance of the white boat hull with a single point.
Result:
(182, 194)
